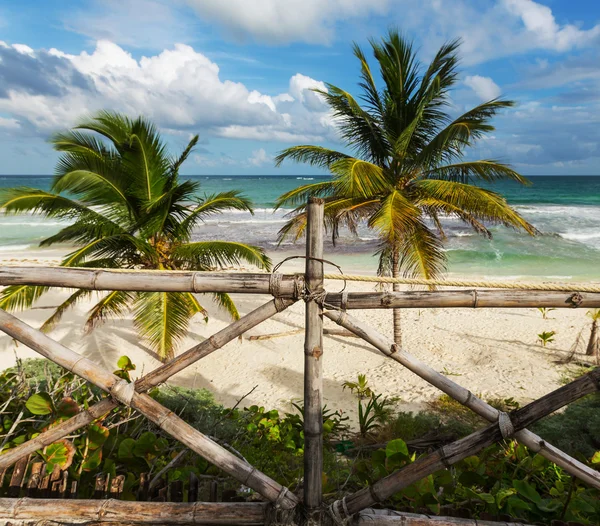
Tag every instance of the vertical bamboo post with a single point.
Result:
(313, 369)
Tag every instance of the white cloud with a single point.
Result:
(541, 24)
(278, 21)
(9, 124)
(179, 88)
(484, 87)
(259, 157)
(148, 24)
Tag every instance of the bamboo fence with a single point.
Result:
(282, 506)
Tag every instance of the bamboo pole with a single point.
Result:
(464, 298)
(465, 397)
(313, 367)
(470, 445)
(159, 375)
(151, 409)
(148, 280)
(112, 511)
(394, 518)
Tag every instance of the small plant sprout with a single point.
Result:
(545, 311)
(546, 337)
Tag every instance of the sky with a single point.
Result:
(240, 74)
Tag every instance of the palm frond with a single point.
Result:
(163, 318)
(23, 199)
(450, 142)
(112, 305)
(176, 163)
(51, 322)
(395, 216)
(20, 297)
(205, 255)
(421, 253)
(311, 155)
(488, 170)
(225, 302)
(480, 203)
(302, 193)
(358, 178)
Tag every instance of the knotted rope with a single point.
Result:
(558, 287)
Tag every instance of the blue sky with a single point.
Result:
(239, 73)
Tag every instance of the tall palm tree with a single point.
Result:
(120, 190)
(406, 170)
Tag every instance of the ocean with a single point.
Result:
(566, 211)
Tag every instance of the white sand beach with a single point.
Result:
(492, 352)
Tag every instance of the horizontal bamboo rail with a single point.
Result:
(464, 396)
(470, 445)
(394, 518)
(507, 299)
(151, 280)
(150, 408)
(26, 510)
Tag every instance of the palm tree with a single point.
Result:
(120, 190)
(406, 170)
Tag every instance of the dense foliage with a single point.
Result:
(126, 207)
(503, 479)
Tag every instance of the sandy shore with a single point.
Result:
(491, 352)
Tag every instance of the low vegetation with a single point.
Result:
(503, 479)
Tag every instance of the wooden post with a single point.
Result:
(313, 367)
(147, 280)
(474, 299)
(85, 511)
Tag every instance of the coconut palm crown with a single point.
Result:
(125, 206)
(406, 169)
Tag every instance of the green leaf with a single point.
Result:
(40, 404)
(60, 453)
(67, 407)
(126, 449)
(93, 461)
(395, 447)
(125, 364)
(596, 458)
(527, 490)
(97, 436)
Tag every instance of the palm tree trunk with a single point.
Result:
(592, 346)
(396, 288)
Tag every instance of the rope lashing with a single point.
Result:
(558, 287)
(341, 516)
(505, 424)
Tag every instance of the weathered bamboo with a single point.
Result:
(313, 367)
(124, 512)
(159, 375)
(151, 409)
(506, 299)
(148, 280)
(394, 518)
(464, 396)
(470, 445)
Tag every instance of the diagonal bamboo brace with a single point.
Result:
(464, 396)
(154, 378)
(465, 447)
(149, 407)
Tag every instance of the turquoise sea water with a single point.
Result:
(566, 210)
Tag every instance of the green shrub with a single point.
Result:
(576, 430)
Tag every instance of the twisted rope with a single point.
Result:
(560, 287)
